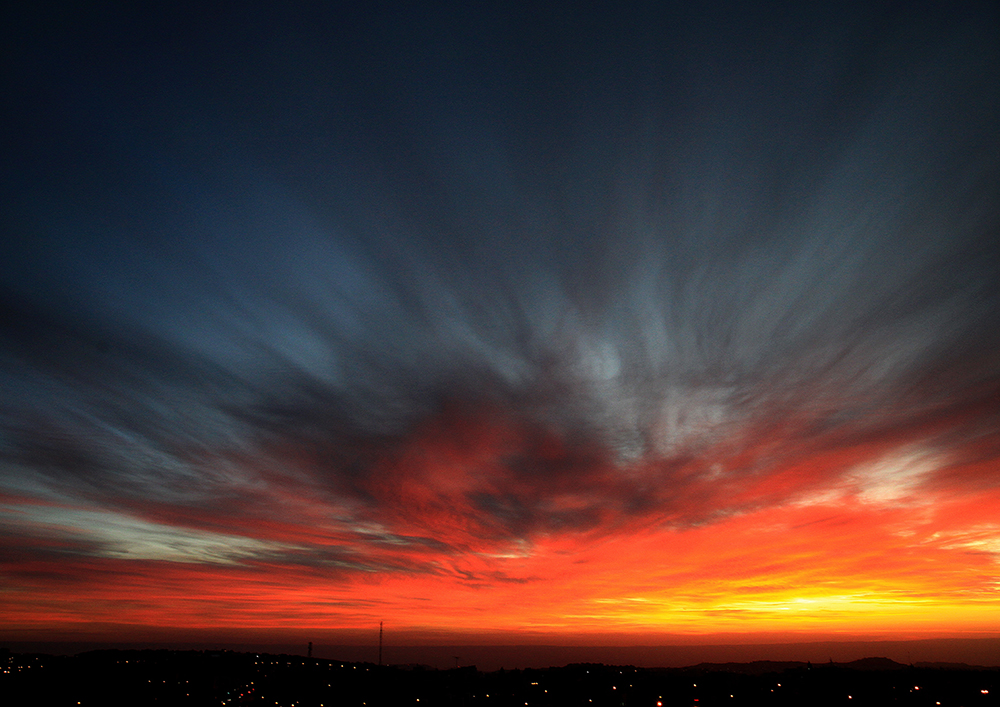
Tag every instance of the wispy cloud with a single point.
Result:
(717, 335)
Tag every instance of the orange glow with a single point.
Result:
(873, 539)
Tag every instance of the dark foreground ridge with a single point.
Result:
(110, 678)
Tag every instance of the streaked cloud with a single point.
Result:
(527, 334)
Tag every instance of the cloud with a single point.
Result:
(114, 535)
(470, 340)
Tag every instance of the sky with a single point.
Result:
(620, 325)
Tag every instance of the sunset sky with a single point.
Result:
(501, 322)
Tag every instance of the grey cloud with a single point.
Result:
(651, 265)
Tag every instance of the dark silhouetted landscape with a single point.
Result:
(113, 678)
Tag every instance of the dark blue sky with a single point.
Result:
(656, 233)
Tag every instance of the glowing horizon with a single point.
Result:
(884, 540)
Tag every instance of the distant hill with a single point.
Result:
(952, 666)
(873, 664)
(757, 667)
(761, 667)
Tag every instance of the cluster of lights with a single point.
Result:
(245, 691)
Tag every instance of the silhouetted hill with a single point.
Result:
(115, 678)
(763, 667)
(951, 666)
(873, 664)
(757, 667)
